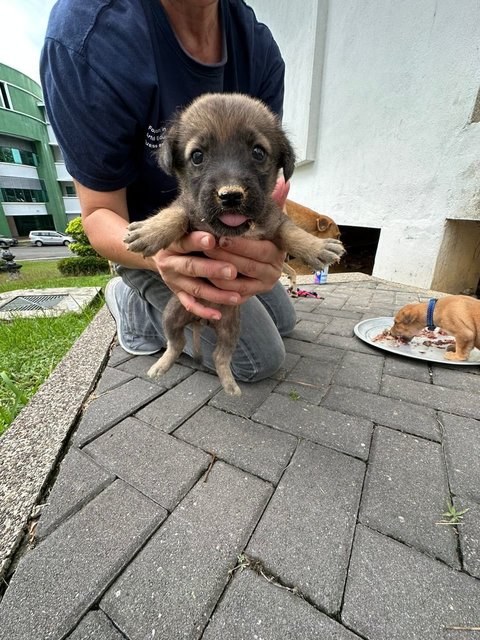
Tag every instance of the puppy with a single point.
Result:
(226, 151)
(315, 223)
(459, 316)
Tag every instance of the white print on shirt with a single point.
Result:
(155, 137)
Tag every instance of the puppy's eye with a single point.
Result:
(258, 153)
(197, 157)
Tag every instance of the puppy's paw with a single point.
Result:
(454, 356)
(142, 237)
(232, 389)
(324, 251)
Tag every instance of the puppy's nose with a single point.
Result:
(231, 197)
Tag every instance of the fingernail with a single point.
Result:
(227, 272)
(216, 317)
(234, 299)
(205, 242)
(225, 242)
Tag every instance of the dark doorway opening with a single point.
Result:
(361, 244)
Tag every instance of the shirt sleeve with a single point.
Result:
(93, 125)
(272, 87)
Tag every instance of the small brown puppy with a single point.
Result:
(317, 224)
(226, 151)
(459, 316)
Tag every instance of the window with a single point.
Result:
(4, 96)
(23, 195)
(18, 156)
(70, 191)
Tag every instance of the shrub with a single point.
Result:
(81, 246)
(83, 266)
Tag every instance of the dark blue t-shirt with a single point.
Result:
(113, 73)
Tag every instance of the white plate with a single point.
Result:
(368, 330)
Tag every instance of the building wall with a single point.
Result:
(25, 120)
(389, 106)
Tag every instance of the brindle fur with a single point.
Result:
(226, 128)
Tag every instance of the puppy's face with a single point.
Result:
(407, 322)
(226, 151)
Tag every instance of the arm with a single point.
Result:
(105, 220)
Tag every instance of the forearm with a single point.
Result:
(106, 231)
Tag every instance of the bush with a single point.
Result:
(83, 266)
(81, 246)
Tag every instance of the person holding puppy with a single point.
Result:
(113, 74)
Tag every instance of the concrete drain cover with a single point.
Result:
(34, 303)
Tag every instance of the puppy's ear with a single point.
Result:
(287, 157)
(323, 223)
(167, 154)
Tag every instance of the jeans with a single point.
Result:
(264, 319)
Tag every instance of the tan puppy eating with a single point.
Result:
(459, 316)
(226, 151)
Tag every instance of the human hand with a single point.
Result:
(257, 262)
(280, 193)
(188, 275)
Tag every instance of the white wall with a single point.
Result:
(394, 147)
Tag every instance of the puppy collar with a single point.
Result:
(430, 309)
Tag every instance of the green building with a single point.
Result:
(36, 191)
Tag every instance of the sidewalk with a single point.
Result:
(307, 509)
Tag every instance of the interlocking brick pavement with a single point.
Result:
(311, 507)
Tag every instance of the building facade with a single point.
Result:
(382, 102)
(36, 191)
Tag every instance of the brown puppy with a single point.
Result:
(459, 316)
(315, 223)
(226, 151)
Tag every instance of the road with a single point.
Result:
(26, 252)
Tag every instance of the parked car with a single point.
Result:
(5, 241)
(39, 238)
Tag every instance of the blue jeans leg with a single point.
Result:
(264, 319)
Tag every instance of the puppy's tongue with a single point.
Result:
(233, 219)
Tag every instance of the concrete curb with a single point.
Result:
(30, 448)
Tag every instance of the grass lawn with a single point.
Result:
(30, 348)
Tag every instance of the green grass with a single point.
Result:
(30, 348)
(44, 274)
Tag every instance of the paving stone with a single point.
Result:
(305, 304)
(360, 370)
(462, 403)
(173, 584)
(341, 327)
(324, 313)
(159, 466)
(456, 378)
(406, 368)
(117, 356)
(178, 404)
(253, 394)
(305, 535)
(334, 302)
(79, 480)
(110, 379)
(112, 407)
(337, 430)
(398, 593)
(60, 579)
(462, 453)
(313, 317)
(307, 330)
(399, 414)
(139, 366)
(95, 626)
(258, 449)
(255, 608)
(405, 493)
(345, 343)
(321, 352)
(289, 363)
(299, 391)
(469, 534)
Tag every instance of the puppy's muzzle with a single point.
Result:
(231, 196)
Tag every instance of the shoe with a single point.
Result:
(111, 301)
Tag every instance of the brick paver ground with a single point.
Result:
(309, 508)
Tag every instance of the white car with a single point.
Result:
(39, 238)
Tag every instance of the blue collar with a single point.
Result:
(430, 309)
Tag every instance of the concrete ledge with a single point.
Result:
(31, 446)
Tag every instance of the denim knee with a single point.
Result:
(258, 366)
